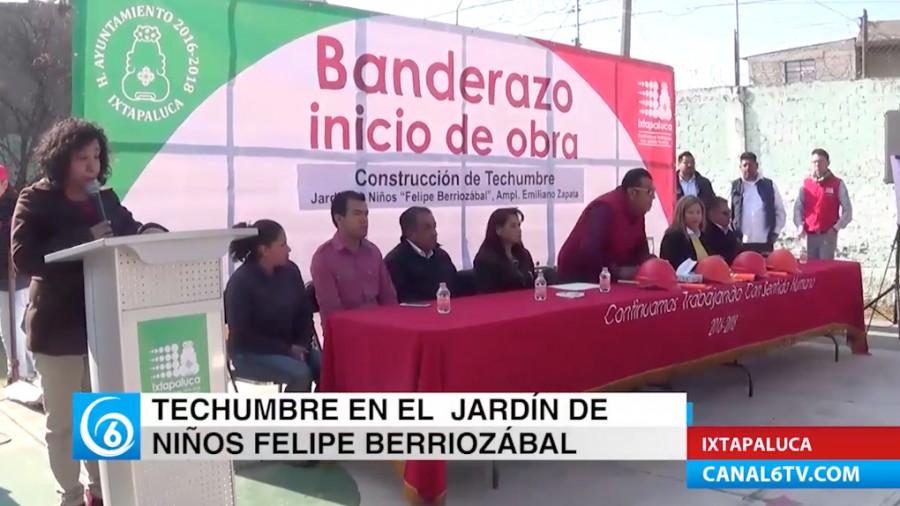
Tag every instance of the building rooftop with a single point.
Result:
(881, 33)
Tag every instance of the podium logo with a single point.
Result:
(175, 367)
(146, 58)
(174, 354)
(108, 426)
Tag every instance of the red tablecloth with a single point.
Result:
(511, 343)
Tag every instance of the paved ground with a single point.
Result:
(801, 386)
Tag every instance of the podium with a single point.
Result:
(155, 324)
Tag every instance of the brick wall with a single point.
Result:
(782, 124)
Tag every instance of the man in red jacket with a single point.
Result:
(610, 233)
(822, 208)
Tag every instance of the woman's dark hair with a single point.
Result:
(57, 146)
(498, 219)
(246, 249)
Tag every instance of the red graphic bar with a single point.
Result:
(794, 443)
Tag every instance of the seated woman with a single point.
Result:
(269, 317)
(682, 240)
(502, 263)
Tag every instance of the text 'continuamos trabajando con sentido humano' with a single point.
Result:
(381, 426)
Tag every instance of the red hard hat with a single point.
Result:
(750, 262)
(657, 273)
(714, 269)
(784, 261)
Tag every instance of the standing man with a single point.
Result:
(348, 271)
(691, 182)
(822, 208)
(757, 210)
(418, 265)
(610, 233)
(11, 324)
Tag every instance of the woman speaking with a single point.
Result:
(53, 214)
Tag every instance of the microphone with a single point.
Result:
(93, 189)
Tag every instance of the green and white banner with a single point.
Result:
(224, 111)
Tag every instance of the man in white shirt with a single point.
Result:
(757, 210)
(691, 182)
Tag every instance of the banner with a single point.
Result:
(217, 117)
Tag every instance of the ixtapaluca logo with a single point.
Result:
(147, 63)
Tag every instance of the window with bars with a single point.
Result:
(798, 71)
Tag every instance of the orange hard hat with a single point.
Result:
(750, 262)
(784, 261)
(714, 269)
(657, 273)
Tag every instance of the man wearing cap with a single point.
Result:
(822, 208)
(11, 325)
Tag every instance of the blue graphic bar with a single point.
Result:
(776, 474)
(690, 414)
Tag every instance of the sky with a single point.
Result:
(693, 36)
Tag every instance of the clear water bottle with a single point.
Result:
(803, 255)
(540, 286)
(605, 280)
(443, 299)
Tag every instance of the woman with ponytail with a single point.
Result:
(269, 318)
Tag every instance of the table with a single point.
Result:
(622, 339)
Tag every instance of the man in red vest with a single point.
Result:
(610, 233)
(822, 208)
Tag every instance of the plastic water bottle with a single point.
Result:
(443, 299)
(540, 287)
(803, 255)
(605, 280)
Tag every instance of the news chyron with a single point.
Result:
(586, 426)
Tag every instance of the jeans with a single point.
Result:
(822, 246)
(296, 376)
(27, 369)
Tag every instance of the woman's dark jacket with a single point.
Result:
(46, 221)
(495, 272)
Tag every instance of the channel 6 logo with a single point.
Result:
(107, 426)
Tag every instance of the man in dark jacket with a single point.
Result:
(418, 265)
(719, 238)
(11, 321)
(691, 182)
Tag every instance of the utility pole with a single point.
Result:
(458, 7)
(577, 23)
(626, 28)
(864, 44)
(737, 44)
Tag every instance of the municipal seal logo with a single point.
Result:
(146, 60)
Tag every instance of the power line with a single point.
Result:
(563, 22)
(841, 14)
(468, 8)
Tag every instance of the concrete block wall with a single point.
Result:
(782, 124)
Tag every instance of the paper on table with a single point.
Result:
(576, 287)
(686, 267)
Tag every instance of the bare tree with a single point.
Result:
(35, 79)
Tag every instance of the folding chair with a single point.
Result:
(230, 367)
